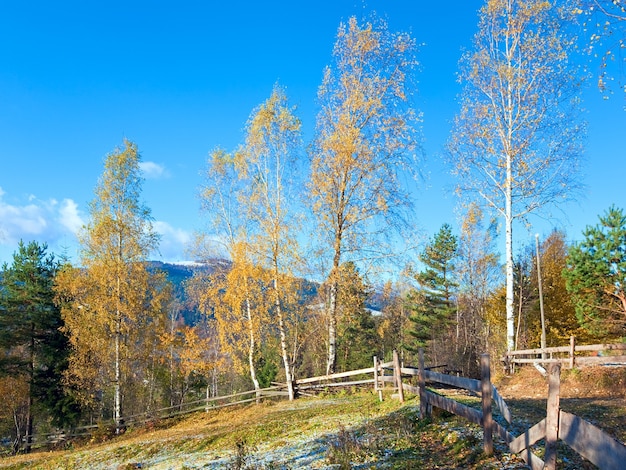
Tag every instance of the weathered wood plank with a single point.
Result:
(534, 462)
(601, 347)
(412, 371)
(540, 361)
(411, 388)
(524, 352)
(397, 373)
(552, 416)
(592, 442)
(501, 404)
(336, 384)
(486, 391)
(532, 435)
(375, 374)
(339, 375)
(501, 432)
(424, 406)
(472, 385)
(453, 406)
(590, 360)
(567, 349)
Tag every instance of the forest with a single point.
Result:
(303, 268)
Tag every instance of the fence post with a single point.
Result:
(552, 416)
(376, 384)
(485, 386)
(424, 407)
(572, 350)
(398, 375)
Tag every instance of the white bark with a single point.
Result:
(283, 344)
(251, 349)
(332, 329)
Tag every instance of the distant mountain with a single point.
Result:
(179, 273)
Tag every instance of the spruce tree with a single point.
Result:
(358, 339)
(432, 302)
(596, 276)
(34, 347)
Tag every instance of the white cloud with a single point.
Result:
(69, 216)
(44, 221)
(174, 242)
(152, 170)
(57, 223)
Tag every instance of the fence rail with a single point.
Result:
(204, 404)
(569, 355)
(586, 439)
(589, 441)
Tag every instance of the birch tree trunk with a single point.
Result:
(251, 350)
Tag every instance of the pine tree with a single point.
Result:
(596, 276)
(432, 303)
(30, 322)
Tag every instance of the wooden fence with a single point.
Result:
(573, 355)
(204, 404)
(588, 440)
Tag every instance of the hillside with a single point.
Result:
(343, 430)
(309, 433)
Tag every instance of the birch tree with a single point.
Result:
(365, 140)
(111, 299)
(517, 137)
(478, 273)
(269, 159)
(232, 296)
(604, 30)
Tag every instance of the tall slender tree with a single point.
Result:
(113, 298)
(269, 159)
(559, 310)
(517, 138)
(231, 296)
(433, 302)
(478, 274)
(365, 137)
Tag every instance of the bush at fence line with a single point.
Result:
(103, 432)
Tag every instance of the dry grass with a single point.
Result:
(344, 431)
(215, 436)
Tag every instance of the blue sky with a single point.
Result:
(181, 78)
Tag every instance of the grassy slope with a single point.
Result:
(309, 433)
(345, 429)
